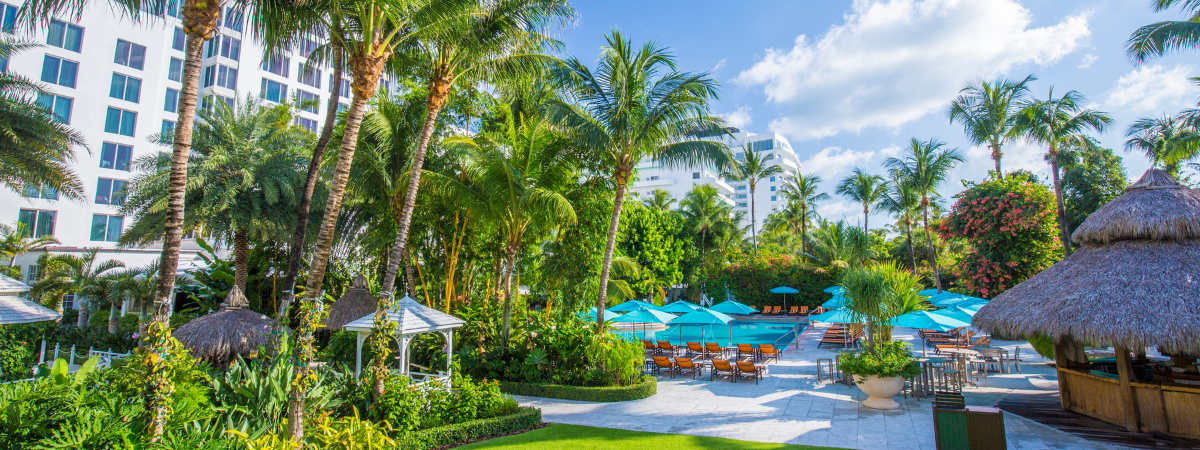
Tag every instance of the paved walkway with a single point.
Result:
(790, 406)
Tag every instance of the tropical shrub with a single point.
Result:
(1012, 227)
(253, 395)
(888, 359)
(1043, 345)
(409, 407)
(18, 346)
(646, 386)
(751, 281)
(451, 435)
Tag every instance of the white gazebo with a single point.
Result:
(15, 308)
(412, 318)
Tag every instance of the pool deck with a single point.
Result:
(790, 406)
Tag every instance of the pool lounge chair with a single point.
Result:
(754, 307)
(649, 347)
(768, 351)
(665, 346)
(713, 348)
(687, 365)
(777, 310)
(694, 348)
(795, 310)
(803, 311)
(720, 366)
(749, 370)
(746, 349)
(662, 363)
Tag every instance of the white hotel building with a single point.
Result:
(117, 82)
(679, 180)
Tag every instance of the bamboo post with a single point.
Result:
(1060, 362)
(1125, 372)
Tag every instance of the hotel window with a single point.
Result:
(36, 223)
(9, 21)
(106, 228)
(345, 91)
(231, 48)
(115, 156)
(59, 71)
(772, 179)
(653, 178)
(741, 196)
(307, 101)
(741, 188)
(774, 198)
(119, 121)
(277, 65)
(180, 40)
(175, 70)
(57, 104)
(173, 9)
(307, 47)
(763, 145)
(31, 274)
(130, 54)
(110, 192)
(125, 88)
(227, 77)
(45, 192)
(168, 128)
(64, 35)
(307, 124)
(309, 75)
(171, 104)
(273, 91)
(695, 175)
(772, 188)
(233, 19)
(741, 204)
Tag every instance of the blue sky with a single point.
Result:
(850, 82)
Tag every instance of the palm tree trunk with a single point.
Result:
(304, 209)
(753, 222)
(912, 254)
(866, 219)
(937, 274)
(199, 21)
(1058, 200)
(241, 258)
(803, 229)
(996, 157)
(510, 262)
(409, 286)
(81, 320)
(439, 91)
(602, 299)
(114, 316)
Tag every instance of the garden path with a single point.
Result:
(790, 406)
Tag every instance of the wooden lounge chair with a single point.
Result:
(754, 307)
(768, 351)
(749, 370)
(720, 366)
(662, 363)
(982, 342)
(687, 365)
(746, 349)
(777, 310)
(713, 348)
(665, 346)
(795, 310)
(803, 311)
(650, 347)
(694, 348)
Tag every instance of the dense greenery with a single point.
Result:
(645, 387)
(751, 282)
(889, 359)
(450, 435)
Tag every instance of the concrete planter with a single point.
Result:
(880, 391)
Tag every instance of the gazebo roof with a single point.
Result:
(356, 303)
(11, 286)
(1134, 282)
(14, 309)
(411, 317)
(232, 330)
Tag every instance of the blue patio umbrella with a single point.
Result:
(941, 300)
(930, 292)
(835, 290)
(704, 317)
(962, 301)
(644, 316)
(633, 305)
(956, 312)
(680, 307)
(926, 320)
(840, 315)
(608, 314)
(732, 307)
(838, 301)
(785, 290)
(972, 305)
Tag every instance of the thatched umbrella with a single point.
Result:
(357, 302)
(230, 331)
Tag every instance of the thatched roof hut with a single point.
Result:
(230, 331)
(357, 302)
(1134, 282)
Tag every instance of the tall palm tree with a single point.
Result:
(1168, 141)
(1057, 122)
(924, 169)
(636, 105)
(17, 242)
(245, 170)
(481, 40)
(803, 193)
(751, 169)
(706, 214)
(36, 149)
(988, 112)
(903, 201)
(837, 246)
(863, 188)
(660, 199)
(519, 174)
(1156, 39)
(72, 274)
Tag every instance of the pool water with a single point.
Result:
(744, 332)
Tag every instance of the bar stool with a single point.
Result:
(829, 363)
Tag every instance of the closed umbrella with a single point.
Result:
(680, 307)
(706, 317)
(925, 320)
(785, 291)
(644, 316)
(732, 307)
(632, 305)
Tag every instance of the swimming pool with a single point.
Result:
(744, 332)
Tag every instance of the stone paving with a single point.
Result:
(790, 406)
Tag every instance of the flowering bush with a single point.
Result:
(1013, 230)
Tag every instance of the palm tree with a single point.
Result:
(902, 200)
(1057, 122)
(837, 246)
(36, 148)
(706, 214)
(71, 274)
(804, 191)
(660, 199)
(988, 112)
(637, 106)
(245, 170)
(1156, 39)
(863, 188)
(1167, 141)
(17, 242)
(519, 175)
(488, 39)
(750, 169)
(924, 169)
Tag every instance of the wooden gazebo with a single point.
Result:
(1133, 284)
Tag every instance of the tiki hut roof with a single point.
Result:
(357, 302)
(1135, 281)
(230, 331)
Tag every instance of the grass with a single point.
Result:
(576, 437)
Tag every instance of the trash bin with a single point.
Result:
(969, 428)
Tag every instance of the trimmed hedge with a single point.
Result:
(461, 433)
(647, 387)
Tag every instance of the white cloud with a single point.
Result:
(978, 161)
(895, 61)
(831, 162)
(1087, 60)
(839, 210)
(1152, 90)
(740, 118)
(719, 65)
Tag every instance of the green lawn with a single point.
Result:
(575, 437)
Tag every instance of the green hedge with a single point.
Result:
(460, 433)
(751, 283)
(647, 387)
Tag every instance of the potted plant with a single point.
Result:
(881, 373)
